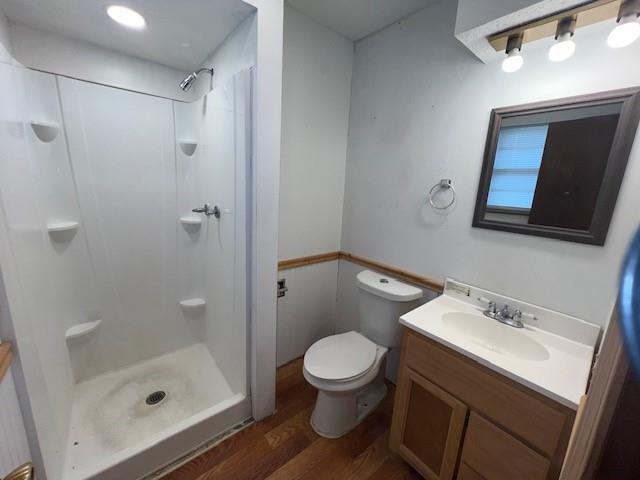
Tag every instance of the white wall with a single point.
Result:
(420, 107)
(307, 312)
(5, 40)
(85, 61)
(315, 116)
(316, 90)
(236, 53)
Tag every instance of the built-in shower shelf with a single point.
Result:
(191, 221)
(188, 147)
(45, 131)
(57, 227)
(82, 329)
(193, 305)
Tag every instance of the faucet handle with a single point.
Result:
(492, 307)
(518, 314)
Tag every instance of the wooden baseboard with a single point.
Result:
(426, 282)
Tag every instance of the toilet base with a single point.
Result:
(337, 413)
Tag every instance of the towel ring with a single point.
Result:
(444, 184)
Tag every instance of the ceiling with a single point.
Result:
(179, 33)
(355, 19)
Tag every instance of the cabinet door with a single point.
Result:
(465, 472)
(427, 426)
(493, 454)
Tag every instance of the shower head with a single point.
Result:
(190, 79)
(187, 83)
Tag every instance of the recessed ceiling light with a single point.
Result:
(126, 16)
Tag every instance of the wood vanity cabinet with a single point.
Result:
(455, 418)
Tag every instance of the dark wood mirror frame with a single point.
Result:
(613, 174)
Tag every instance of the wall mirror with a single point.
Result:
(554, 168)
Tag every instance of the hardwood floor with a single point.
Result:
(285, 447)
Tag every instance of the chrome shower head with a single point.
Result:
(188, 82)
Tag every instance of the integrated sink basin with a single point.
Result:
(552, 354)
(496, 336)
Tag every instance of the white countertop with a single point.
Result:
(558, 367)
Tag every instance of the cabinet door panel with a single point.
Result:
(467, 473)
(427, 426)
(495, 455)
(540, 422)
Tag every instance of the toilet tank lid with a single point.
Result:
(387, 287)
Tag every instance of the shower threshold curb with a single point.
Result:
(208, 445)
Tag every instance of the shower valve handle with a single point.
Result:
(208, 210)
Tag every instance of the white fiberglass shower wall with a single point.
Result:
(117, 290)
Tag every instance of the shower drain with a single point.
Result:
(156, 397)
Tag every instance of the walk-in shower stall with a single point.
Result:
(127, 295)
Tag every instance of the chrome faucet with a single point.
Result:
(505, 315)
(513, 319)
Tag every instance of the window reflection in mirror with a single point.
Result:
(554, 169)
(549, 167)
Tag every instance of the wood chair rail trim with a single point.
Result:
(5, 358)
(423, 281)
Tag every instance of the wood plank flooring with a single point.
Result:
(285, 447)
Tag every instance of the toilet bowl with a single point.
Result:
(341, 367)
(348, 369)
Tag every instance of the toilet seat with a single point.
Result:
(341, 358)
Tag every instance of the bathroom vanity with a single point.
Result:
(479, 400)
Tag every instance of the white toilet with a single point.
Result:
(348, 369)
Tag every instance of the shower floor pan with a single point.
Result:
(128, 423)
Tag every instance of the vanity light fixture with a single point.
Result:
(126, 16)
(563, 24)
(564, 46)
(628, 29)
(514, 59)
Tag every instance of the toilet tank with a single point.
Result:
(382, 301)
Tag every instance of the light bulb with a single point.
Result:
(126, 16)
(625, 33)
(562, 49)
(513, 62)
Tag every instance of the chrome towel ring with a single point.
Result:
(444, 184)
